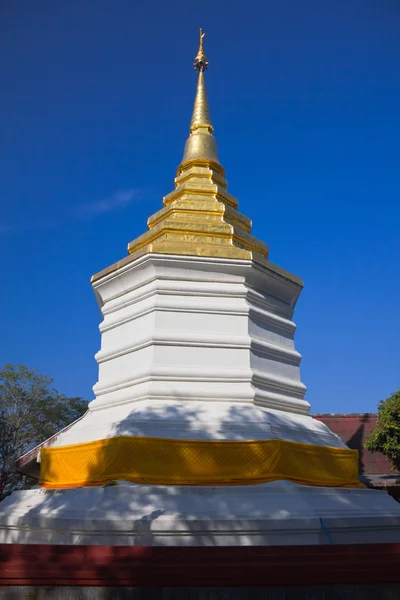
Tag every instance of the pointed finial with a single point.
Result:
(200, 60)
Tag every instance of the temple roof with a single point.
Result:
(374, 468)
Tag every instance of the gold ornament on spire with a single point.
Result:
(200, 60)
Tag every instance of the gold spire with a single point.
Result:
(201, 112)
(201, 143)
(199, 217)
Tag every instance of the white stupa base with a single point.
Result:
(278, 513)
(197, 348)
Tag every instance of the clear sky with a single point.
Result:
(305, 98)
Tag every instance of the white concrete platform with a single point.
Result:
(278, 513)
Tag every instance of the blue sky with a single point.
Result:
(95, 108)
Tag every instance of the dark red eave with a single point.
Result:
(354, 430)
(38, 565)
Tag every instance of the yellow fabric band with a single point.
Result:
(192, 462)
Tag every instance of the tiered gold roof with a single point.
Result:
(200, 217)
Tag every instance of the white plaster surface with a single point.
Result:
(278, 513)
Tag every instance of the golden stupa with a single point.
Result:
(200, 217)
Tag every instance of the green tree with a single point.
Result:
(30, 412)
(385, 438)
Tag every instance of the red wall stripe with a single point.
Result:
(193, 566)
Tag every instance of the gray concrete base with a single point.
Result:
(357, 592)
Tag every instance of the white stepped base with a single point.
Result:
(198, 329)
(278, 513)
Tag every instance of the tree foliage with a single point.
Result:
(385, 438)
(30, 412)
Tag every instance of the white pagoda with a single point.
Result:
(199, 433)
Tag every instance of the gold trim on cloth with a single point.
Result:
(163, 461)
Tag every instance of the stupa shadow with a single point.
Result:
(183, 419)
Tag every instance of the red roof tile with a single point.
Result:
(353, 430)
